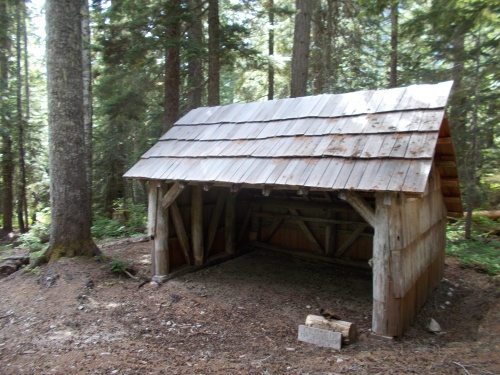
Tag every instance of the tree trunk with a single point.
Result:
(7, 163)
(195, 66)
(300, 55)
(270, 68)
(319, 48)
(26, 65)
(213, 53)
(70, 195)
(87, 91)
(21, 186)
(172, 64)
(331, 33)
(472, 165)
(393, 78)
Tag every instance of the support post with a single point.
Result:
(152, 203)
(330, 235)
(197, 224)
(161, 240)
(381, 266)
(152, 208)
(230, 224)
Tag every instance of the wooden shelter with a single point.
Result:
(356, 178)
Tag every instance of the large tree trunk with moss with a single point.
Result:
(69, 189)
(87, 90)
(5, 120)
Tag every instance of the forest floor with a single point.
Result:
(239, 317)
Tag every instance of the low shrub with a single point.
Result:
(481, 250)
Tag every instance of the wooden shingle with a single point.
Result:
(372, 140)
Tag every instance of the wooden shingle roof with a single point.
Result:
(383, 140)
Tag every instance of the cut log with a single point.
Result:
(492, 215)
(347, 329)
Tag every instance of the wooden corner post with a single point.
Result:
(152, 208)
(230, 223)
(197, 224)
(161, 255)
(386, 314)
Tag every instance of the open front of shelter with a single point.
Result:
(362, 179)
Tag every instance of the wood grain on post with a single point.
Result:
(161, 239)
(197, 224)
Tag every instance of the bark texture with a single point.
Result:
(393, 79)
(300, 55)
(7, 162)
(195, 66)
(69, 189)
(172, 64)
(87, 89)
(270, 69)
(213, 53)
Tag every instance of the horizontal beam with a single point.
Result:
(452, 200)
(300, 254)
(300, 204)
(446, 163)
(449, 181)
(444, 141)
(306, 218)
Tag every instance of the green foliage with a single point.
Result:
(37, 237)
(481, 251)
(104, 227)
(5, 248)
(118, 265)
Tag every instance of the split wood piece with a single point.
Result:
(172, 194)
(347, 329)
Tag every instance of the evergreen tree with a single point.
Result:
(301, 44)
(70, 195)
(6, 119)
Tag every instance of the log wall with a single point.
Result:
(417, 250)
(406, 242)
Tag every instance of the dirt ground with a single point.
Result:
(238, 317)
